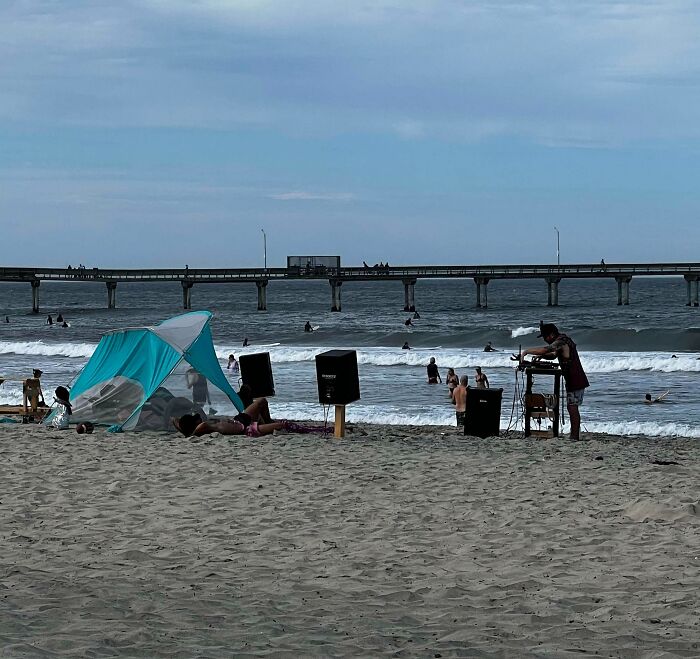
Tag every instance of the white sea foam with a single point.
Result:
(649, 428)
(391, 415)
(77, 350)
(522, 331)
(593, 362)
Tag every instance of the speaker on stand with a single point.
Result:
(338, 383)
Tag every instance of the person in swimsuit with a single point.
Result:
(452, 380)
(433, 373)
(482, 382)
(200, 389)
(32, 393)
(254, 421)
(459, 398)
(232, 364)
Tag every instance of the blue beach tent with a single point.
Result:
(137, 377)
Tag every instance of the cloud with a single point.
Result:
(300, 195)
(542, 70)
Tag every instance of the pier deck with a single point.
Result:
(336, 276)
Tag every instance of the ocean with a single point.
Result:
(627, 351)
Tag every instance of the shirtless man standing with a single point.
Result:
(459, 398)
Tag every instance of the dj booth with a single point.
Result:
(542, 406)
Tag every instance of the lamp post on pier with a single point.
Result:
(264, 247)
(557, 230)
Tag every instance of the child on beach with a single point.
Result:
(64, 409)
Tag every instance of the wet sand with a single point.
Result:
(396, 540)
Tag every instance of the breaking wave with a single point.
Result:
(77, 350)
(593, 362)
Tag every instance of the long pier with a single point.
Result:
(552, 275)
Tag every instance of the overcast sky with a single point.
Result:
(164, 132)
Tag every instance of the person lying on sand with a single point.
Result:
(254, 421)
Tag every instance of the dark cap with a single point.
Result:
(37, 372)
(547, 328)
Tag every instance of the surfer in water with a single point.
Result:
(659, 399)
(489, 348)
(307, 327)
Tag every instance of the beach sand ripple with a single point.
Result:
(396, 541)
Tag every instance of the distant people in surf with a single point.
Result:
(405, 346)
(59, 318)
(245, 342)
(433, 372)
(232, 364)
(489, 348)
(459, 399)
(408, 322)
(451, 380)
(482, 382)
(307, 327)
(659, 399)
(49, 319)
(416, 315)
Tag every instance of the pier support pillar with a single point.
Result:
(623, 290)
(482, 299)
(692, 284)
(335, 294)
(186, 294)
(409, 287)
(553, 291)
(35, 295)
(111, 294)
(262, 294)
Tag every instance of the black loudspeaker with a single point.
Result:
(483, 418)
(336, 374)
(256, 372)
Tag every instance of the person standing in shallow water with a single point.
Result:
(562, 348)
(433, 373)
(482, 382)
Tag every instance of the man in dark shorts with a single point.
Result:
(433, 373)
(562, 348)
(459, 398)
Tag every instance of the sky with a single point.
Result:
(153, 133)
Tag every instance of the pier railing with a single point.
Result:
(336, 275)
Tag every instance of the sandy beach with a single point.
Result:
(395, 541)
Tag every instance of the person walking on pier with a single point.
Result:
(562, 348)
